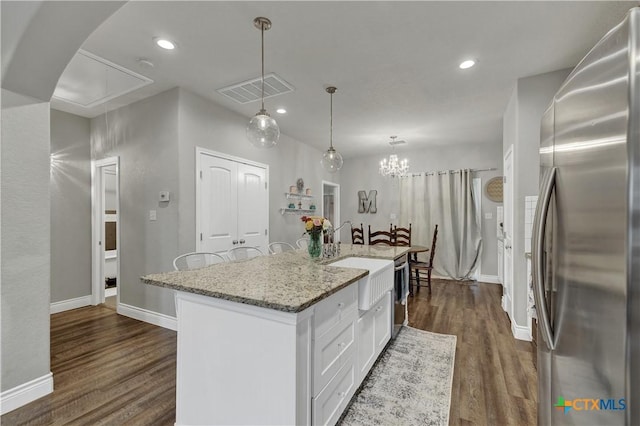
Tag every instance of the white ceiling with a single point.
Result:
(395, 64)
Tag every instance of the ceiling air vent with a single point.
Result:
(249, 91)
(395, 142)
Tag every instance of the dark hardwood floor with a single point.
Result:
(113, 370)
(495, 378)
(107, 370)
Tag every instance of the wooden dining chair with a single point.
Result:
(357, 235)
(381, 237)
(417, 269)
(402, 236)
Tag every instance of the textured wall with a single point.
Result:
(207, 125)
(145, 137)
(362, 174)
(521, 126)
(70, 206)
(25, 267)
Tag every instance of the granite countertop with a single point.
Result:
(289, 282)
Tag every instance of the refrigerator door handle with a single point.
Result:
(539, 225)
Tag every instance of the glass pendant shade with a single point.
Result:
(332, 160)
(263, 131)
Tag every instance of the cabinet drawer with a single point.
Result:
(329, 404)
(335, 308)
(331, 352)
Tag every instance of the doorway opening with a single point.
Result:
(331, 205)
(105, 200)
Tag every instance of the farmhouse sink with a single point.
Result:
(372, 287)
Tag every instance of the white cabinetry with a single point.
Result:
(243, 364)
(374, 331)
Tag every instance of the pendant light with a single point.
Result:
(331, 160)
(262, 130)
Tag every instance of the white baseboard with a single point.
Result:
(151, 317)
(110, 292)
(67, 305)
(25, 393)
(521, 332)
(492, 279)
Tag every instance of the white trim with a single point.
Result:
(289, 318)
(336, 194)
(67, 305)
(144, 81)
(25, 393)
(98, 255)
(493, 279)
(520, 332)
(155, 318)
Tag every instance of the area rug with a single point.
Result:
(410, 384)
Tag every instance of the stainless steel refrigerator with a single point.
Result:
(586, 239)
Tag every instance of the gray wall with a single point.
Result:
(70, 206)
(362, 174)
(521, 128)
(207, 125)
(155, 140)
(25, 229)
(145, 137)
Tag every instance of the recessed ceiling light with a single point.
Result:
(467, 64)
(164, 43)
(281, 111)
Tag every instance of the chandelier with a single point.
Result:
(394, 167)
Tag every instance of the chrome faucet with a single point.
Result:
(331, 249)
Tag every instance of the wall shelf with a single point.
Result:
(290, 195)
(298, 211)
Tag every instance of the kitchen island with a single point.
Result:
(277, 339)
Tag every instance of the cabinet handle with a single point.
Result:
(234, 242)
(341, 345)
(379, 309)
(341, 394)
(242, 241)
(341, 305)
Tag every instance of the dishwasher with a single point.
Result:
(400, 295)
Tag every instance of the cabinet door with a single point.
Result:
(382, 321)
(366, 344)
(253, 206)
(218, 204)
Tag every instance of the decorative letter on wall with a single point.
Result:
(367, 204)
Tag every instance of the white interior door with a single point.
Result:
(232, 203)
(218, 196)
(253, 213)
(507, 298)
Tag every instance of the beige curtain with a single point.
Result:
(445, 199)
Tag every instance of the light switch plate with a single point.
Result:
(153, 215)
(392, 216)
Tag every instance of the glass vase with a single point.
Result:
(314, 246)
